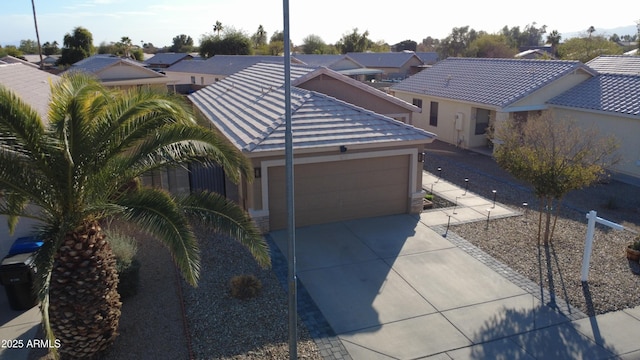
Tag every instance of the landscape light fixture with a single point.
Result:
(448, 223)
(495, 192)
(488, 214)
(439, 173)
(525, 206)
(455, 205)
(466, 186)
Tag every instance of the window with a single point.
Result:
(482, 121)
(202, 80)
(193, 79)
(417, 102)
(433, 114)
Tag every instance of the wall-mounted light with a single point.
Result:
(343, 148)
(257, 172)
(420, 157)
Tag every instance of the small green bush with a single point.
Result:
(429, 197)
(245, 286)
(125, 249)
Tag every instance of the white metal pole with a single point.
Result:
(293, 307)
(588, 244)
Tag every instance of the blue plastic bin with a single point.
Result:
(25, 244)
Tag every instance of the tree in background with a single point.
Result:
(354, 42)
(406, 45)
(124, 47)
(553, 39)
(217, 28)
(28, 47)
(555, 156)
(76, 46)
(182, 44)
(50, 48)
(11, 50)
(587, 48)
(232, 42)
(429, 44)
(456, 43)
(490, 46)
(259, 39)
(313, 44)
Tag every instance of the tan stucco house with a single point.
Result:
(611, 103)
(461, 98)
(350, 162)
(114, 71)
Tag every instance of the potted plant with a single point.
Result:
(633, 250)
(427, 201)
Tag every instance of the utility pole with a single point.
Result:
(291, 223)
(35, 22)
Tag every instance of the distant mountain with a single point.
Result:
(621, 31)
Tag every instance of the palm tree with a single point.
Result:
(217, 27)
(80, 168)
(554, 38)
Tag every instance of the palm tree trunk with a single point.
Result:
(84, 305)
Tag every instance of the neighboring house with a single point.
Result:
(161, 61)
(461, 98)
(616, 64)
(32, 85)
(610, 102)
(394, 65)
(340, 63)
(14, 60)
(200, 73)
(114, 71)
(534, 54)
(350, 162)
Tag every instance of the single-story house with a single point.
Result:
(461, 98)
(161, 61)
(394, 65)
(340, 63)
(33, 86)
(350, 162)
(611, 103)
(200, 73)
(114, 71)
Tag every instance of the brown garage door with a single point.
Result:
(341, 190)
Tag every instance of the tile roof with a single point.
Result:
(497, 82)
(607, 92)
(32, 85)
(223, 64)
(96, 63)
(616, 64)
(387, 60)
(318, 59)
(428, 58)
(166, 58)
(248, 107)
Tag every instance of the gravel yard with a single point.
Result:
(613, 280)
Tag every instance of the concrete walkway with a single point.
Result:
(395, 288)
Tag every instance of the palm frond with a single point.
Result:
(226, 217)
(156, 212)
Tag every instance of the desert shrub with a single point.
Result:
(124, 249)
(245, 286)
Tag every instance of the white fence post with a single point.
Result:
(588, 244)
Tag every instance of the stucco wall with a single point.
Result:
(624, 128)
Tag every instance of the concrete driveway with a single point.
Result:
(394, 288)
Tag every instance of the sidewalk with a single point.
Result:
(469, 206)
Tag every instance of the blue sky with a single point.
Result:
(158, 21)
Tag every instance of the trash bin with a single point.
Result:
(25, 244)
(17, 274)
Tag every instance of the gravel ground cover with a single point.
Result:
(223, 327)
(613, 280)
